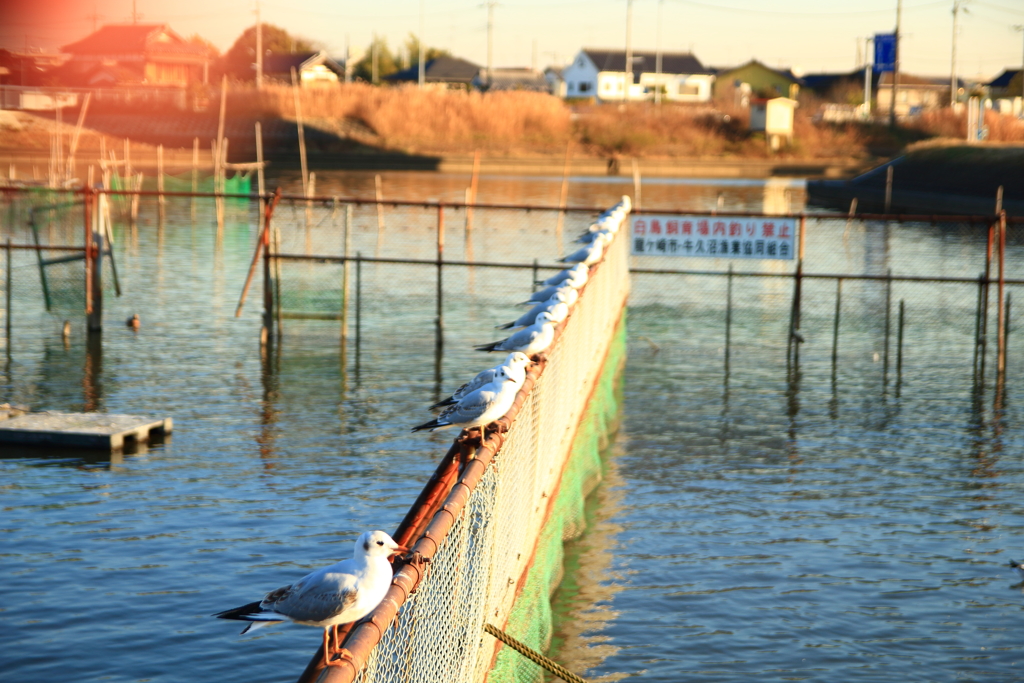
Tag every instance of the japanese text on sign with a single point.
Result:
(766, 237)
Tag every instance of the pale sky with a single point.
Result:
(812, 35)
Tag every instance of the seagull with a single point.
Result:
(580, 270)
(566, 295)
(1017, 567)
(341, 593)
(591, 253)
(481, 407)
(484, 377)
(530, 340)
(557, 309)
(548, 292)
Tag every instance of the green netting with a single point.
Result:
(238, 184)
(531, 618)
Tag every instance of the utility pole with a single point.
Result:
(953, 85)
(135, 14)
(259, 49)
(896, 65)
(657, 59)
(868, 69)
(490, 5)
(422, 77)
(628, 72)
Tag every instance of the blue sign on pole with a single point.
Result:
(885, 52)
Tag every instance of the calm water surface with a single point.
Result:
(752, 523)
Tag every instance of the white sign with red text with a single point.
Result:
(765, 237)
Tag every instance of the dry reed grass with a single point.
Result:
(427, 120)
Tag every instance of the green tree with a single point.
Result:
(238, 61)
(387, 61)
(412, 49)
(199, 41)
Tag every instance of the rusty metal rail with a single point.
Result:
(429, 521)
(327, 200)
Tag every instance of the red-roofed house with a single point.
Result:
(135, 54)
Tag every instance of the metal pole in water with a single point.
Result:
(835, 327)
(728, 319)
(359, 302)
(439, 339)
(1001, 331)
(977, 326)
(1006, 333)
(344, 272)
(7, 295)
(899, 351)
(888, 317)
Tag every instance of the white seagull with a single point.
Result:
(591, 253)
(330, 596)
(481, 407)
(514, 359)
(566, 295)
(530, 340)
(548, 292)
(580, 270)
(556, 309)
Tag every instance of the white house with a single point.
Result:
(602, 74)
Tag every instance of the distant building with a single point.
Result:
(774, 118)
(602, 74)
(556, 83)
(513, 79)
(755, 79)
(134, 54)
(916, 94)
(1006, 84)
(312, 68)
(450, 71)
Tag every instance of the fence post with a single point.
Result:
(94, 257)
(888, 316)
(899, 351)
(1001, 331)
(728, 318)
(268, 284)
(7, 295)
(835, 327)
(439, 339)
(359, 305)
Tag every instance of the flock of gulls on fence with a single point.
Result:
(349, 590)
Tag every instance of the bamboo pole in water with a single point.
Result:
(379, 194)
(302, 134)
(563, 197)
(195, 175)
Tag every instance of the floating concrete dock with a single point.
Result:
(83, 430)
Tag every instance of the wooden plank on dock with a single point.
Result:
(82, 430)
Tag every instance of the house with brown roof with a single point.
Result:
(135, 54)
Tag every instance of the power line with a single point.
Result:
(747, 10)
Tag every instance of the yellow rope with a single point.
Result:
(534, 656)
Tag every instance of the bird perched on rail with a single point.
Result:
(530, 340)
(575, 282)
(484, 377)
(341, 593)
(579, 271)
(555, 307)
(481, 407)
(591, 253)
